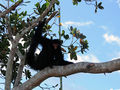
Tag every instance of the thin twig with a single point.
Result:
(11, 8)
(3, 6)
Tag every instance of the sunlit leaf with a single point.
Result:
(12, 1)
(63, 49)
(79, 0)
(66, 36)
(58, 16)
(27, 2)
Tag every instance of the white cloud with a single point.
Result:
(104, 27)
(116, 57)
(111, 89)
(70, 23)
(118, 2)
(111, 38)
(84, 58)
(114, 89)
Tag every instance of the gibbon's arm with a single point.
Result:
(38, 34)
(30, 56)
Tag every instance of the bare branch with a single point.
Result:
(10, 66)
(19, 54)
(11, 8)
(9, 29)
(20, 68)
(51, 16)
(57, 71)
(13, 49)
(15, 43)
(35, 22)
(3, 6)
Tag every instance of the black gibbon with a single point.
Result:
(51, 54)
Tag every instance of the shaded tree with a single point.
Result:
(17, 26)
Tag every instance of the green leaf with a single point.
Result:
(36, 12)
(63, 32)
(47, 4)
(57, 2)
(96, 10)
(12, 1)
(71, 28)
(79, 0)
(37, 4)
(27, 2)
(66, 36)
(27, 73)
(82, 36)
(100, 6)
(70, 49)
(3, 72)
(73, 56)
(75, 2)
(44, 6)
(26, 44)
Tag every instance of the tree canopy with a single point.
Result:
(16, 30)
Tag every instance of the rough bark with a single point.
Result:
(15, 43)
(57, 71)
(20, 69)
(3, 14)
(10, 66)
(22, 62)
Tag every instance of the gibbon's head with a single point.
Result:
(56, 44)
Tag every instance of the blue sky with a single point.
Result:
(103, 35)
(102, 31)
(104, 40)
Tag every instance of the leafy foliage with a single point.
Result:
(12, 1)
(40, 8)
(98, 5)
(4, 44)
(20, 20)
(90, 2)
(17, 22)
(83, 44)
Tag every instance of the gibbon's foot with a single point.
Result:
(51, 66)
(66, 63)
(62, 63)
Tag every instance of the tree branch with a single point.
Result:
(10, 66)
(57, 71)
(51, 16)
(11, 8)
(36, 21)
(9, 29)
(15, 43)
(20, 68)
(3, 6)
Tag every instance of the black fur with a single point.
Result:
(48, 56)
